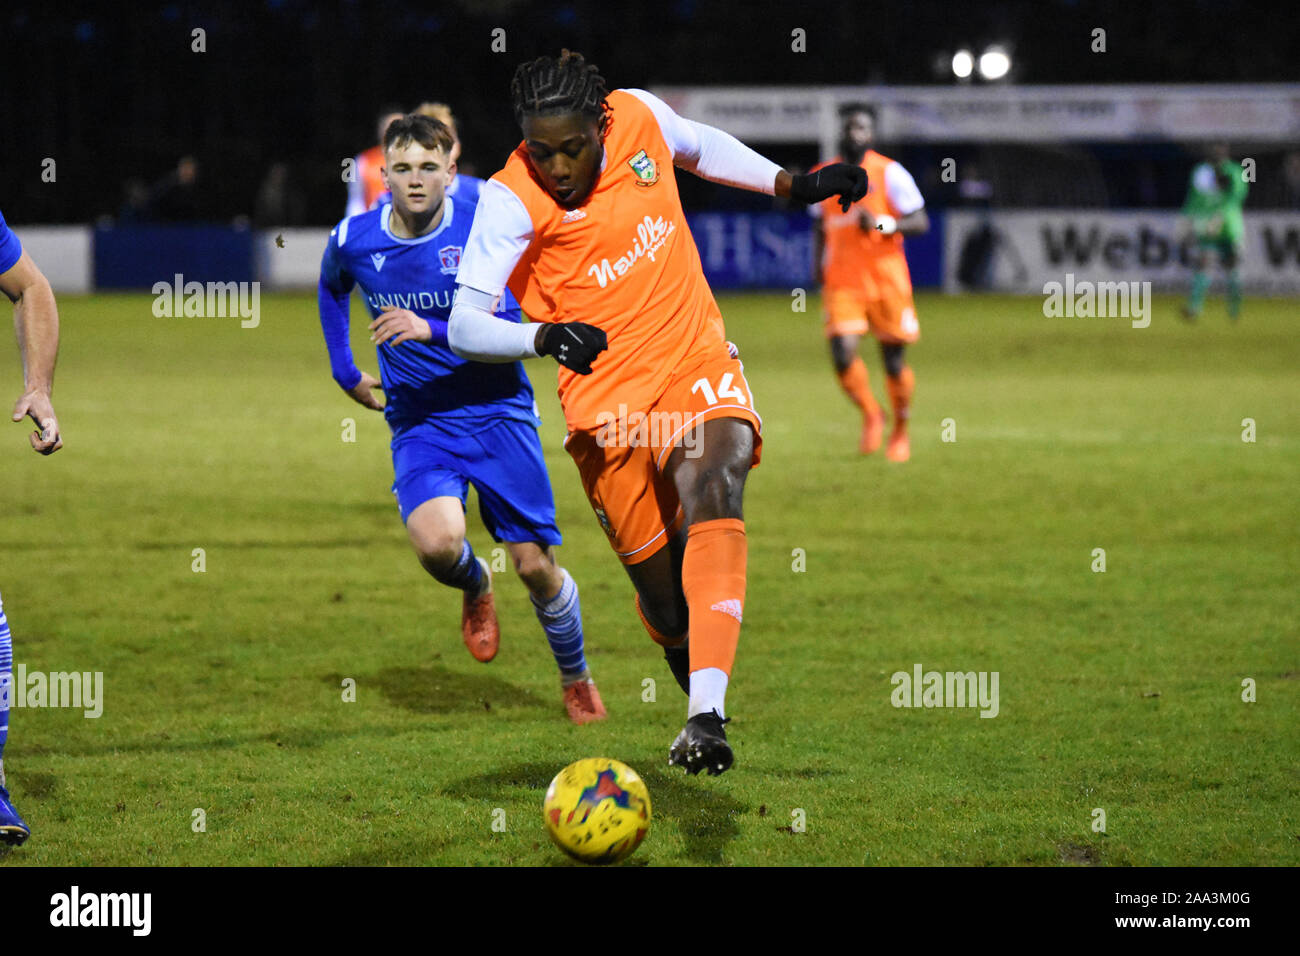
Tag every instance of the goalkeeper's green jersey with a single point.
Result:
(1215, 208)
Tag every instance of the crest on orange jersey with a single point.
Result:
(647, 173)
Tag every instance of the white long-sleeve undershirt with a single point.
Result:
(475, 333)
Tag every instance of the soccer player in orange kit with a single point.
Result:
(858, 258)
(585, 226)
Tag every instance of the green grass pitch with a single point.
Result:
(1119, 691)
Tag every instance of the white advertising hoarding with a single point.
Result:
(65, 254)
(289, 258)
(1021, 251)
(1263, 113)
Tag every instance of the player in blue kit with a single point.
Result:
(36, 321)
(455, 423)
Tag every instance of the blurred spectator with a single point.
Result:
(279, 202)
(176, 197)
(135, 204)
(973, 189)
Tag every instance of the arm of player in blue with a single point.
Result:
(439, 329)
(332, 297)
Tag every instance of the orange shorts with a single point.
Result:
(891, 319)
(621, 461)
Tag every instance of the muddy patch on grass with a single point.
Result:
(1076, 855)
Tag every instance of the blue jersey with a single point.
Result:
(11, 249)
(466, 188)
(424, 382)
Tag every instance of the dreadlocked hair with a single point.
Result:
(567, 84)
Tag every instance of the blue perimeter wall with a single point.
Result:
(739, 250)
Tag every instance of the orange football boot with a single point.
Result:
(582, 701)
(900, 446)
(873, 432)
(478, 621)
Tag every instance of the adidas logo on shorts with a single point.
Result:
(732, 607)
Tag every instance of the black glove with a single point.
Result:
(844, 180)
(575, 345)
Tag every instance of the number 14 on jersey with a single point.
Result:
(725, 390)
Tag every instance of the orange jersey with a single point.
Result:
(370, 165)
(864, 262)
(623, 261)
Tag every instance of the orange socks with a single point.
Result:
(900, 396)
(857, 386)
(713, 579)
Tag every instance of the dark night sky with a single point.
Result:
(112, 94)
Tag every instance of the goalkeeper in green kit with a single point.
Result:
(1214, 199)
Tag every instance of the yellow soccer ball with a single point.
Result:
(597, 810)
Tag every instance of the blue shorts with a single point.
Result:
(503, 462)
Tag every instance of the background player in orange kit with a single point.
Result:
(858, 259)
(585, 223)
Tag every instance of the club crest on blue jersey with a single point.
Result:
(449, 257)
(647, 173)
